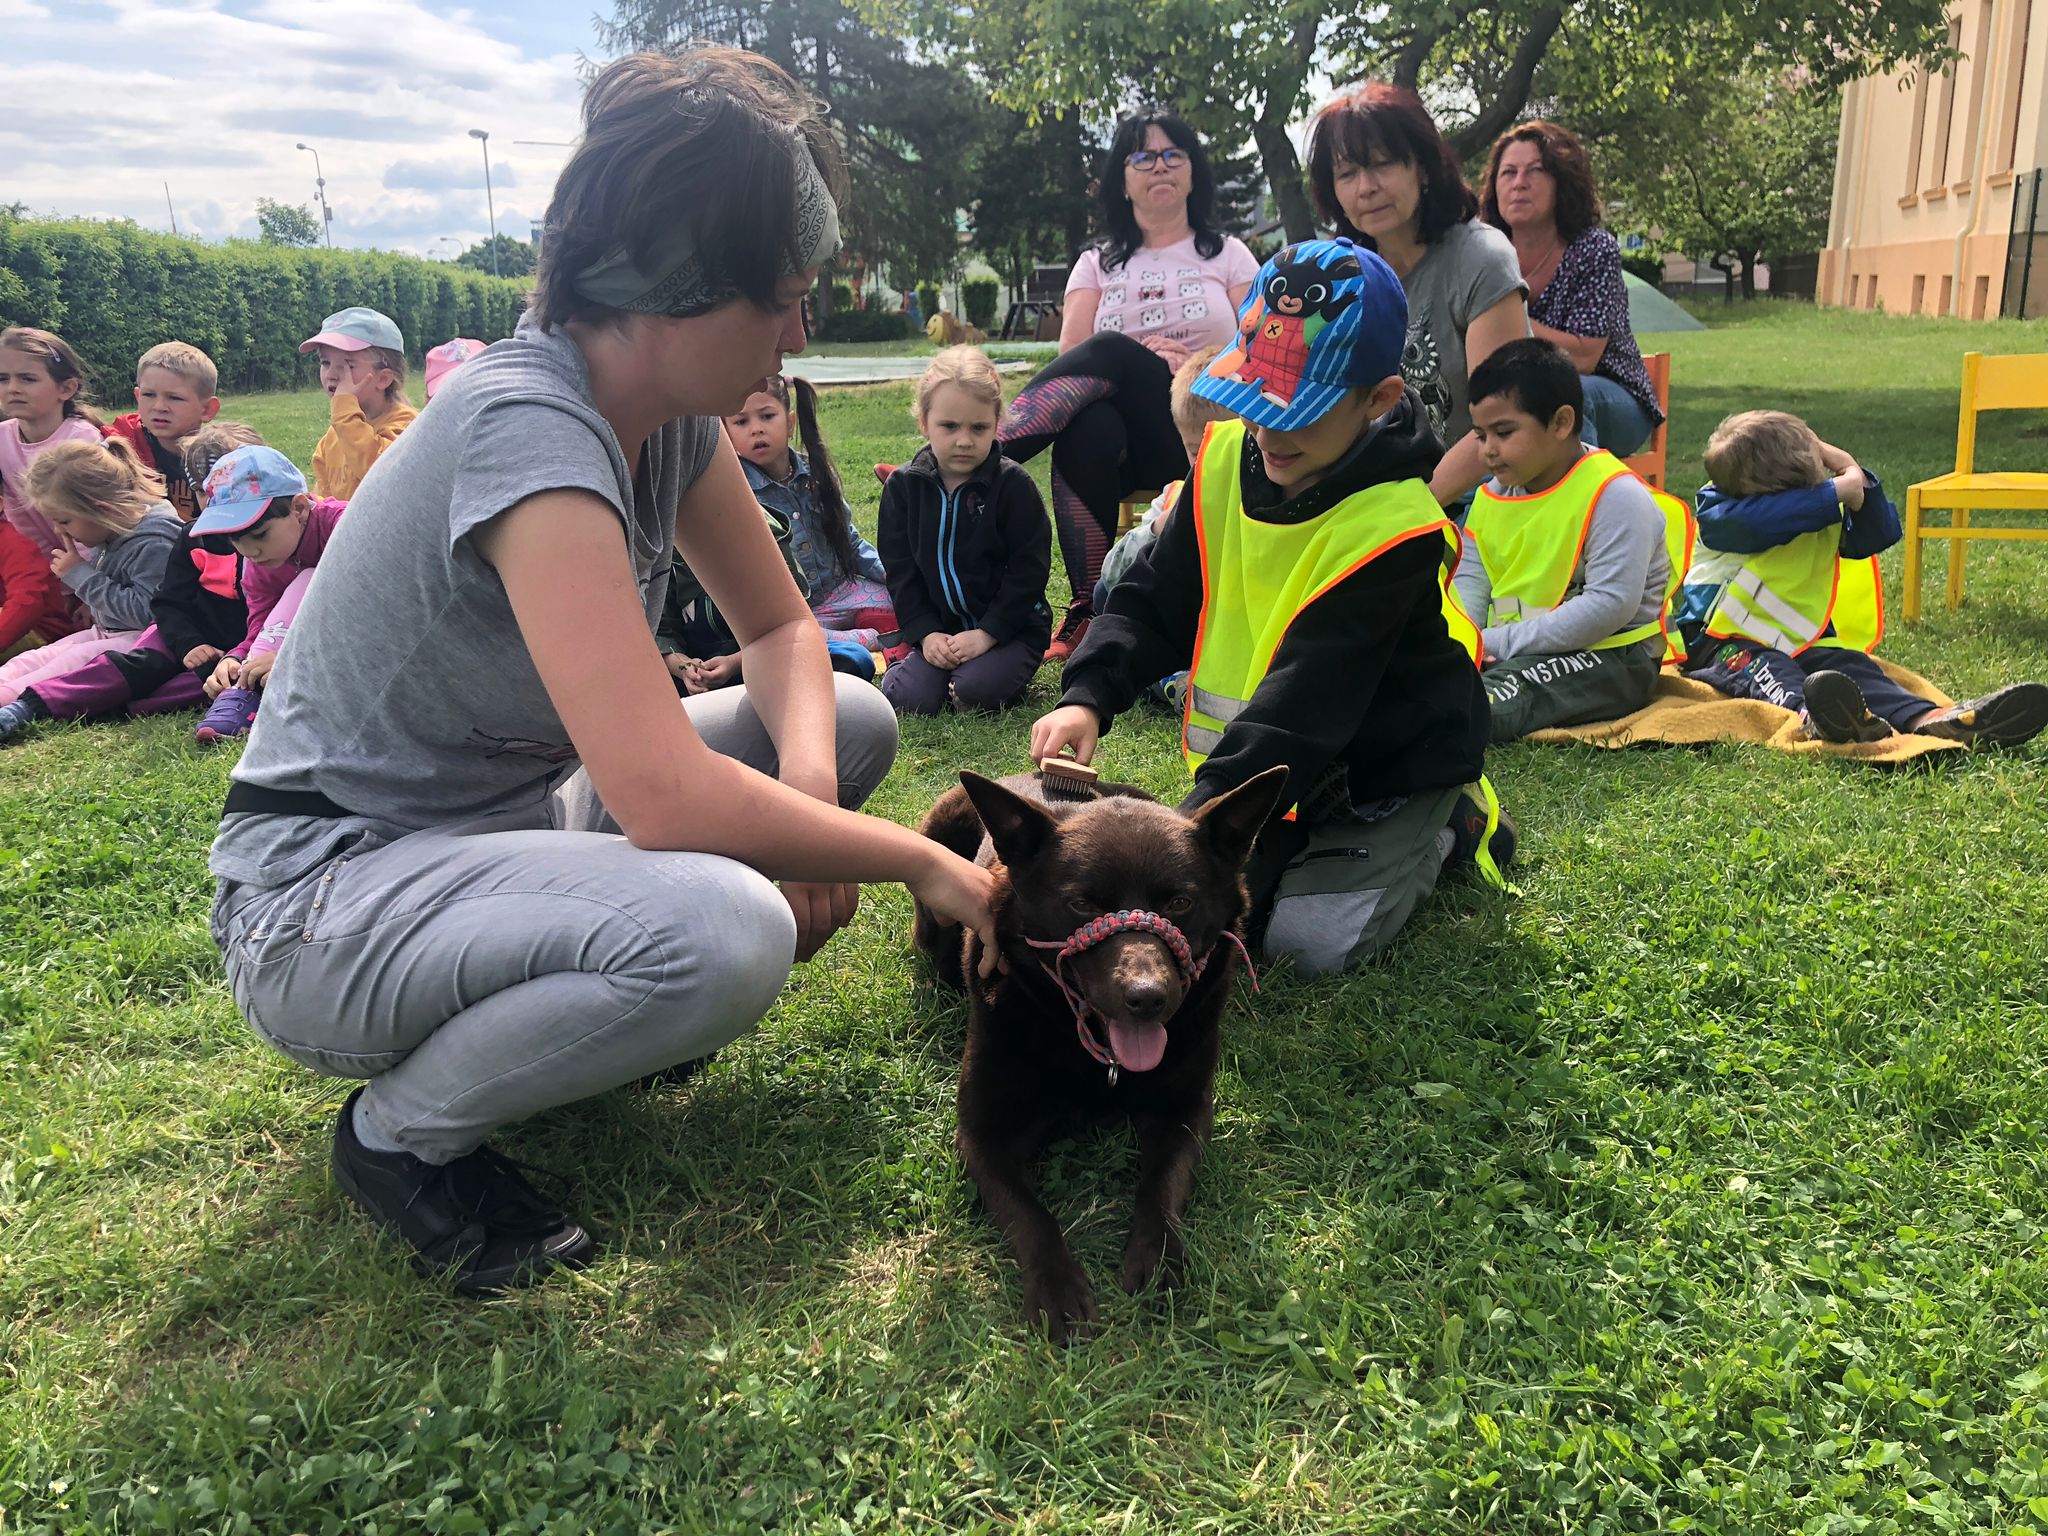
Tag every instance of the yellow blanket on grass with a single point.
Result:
(1684, 713)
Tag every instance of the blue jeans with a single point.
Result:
(1613, 419)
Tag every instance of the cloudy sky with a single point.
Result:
(109, 99)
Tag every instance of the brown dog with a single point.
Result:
(1115, 918)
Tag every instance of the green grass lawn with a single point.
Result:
(1699, 1188)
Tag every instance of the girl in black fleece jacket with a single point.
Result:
(967, 547)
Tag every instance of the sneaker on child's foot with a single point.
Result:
(1069, 634)
(2011, 717)
(1836, 711)
(477, 1218)
(230, 716)
(18, 716)
(1468, 830)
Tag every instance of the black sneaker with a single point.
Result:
(476, 1218)
(1836, 711)
(677, 1075)
(1468, 830)
(2011, 717)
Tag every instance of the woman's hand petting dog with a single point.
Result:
(959, 892)
(1071, 725)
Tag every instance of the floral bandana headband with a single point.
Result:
(677, 281)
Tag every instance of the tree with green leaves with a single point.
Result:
(1030, 190)
(516, 258)
(902, 121)
(1254, 77)
(286, 223)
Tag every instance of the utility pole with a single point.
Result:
(490, 202)
(168, 208)
(320, 182)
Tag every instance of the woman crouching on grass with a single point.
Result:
(476, 852)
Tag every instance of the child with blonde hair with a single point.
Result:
(967, 547)
(43, 401)
(175, 386)
(198, 612)
(115, 532)
(362, 368)
(1784, 602)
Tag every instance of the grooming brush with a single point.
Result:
(1062, 778)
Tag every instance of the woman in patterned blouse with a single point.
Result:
(1539, 190)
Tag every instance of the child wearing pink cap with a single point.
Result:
(362, 368)
(447, 357)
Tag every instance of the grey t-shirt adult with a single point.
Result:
(406, 692)
(1619, 583)
(1467, 270)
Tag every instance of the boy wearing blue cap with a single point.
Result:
(362, 368)
(1304, 581)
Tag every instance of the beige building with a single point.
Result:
(1929, 169)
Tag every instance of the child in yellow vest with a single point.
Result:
(1570, 559)
(1784, 603)
(1303, 579)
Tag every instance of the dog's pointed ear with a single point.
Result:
(1231, 823)
(1019, 829)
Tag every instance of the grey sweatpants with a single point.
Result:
(478, 973)
(1357, 880)
(1532, 693)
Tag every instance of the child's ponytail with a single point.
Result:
(100, 482)
(832, 508)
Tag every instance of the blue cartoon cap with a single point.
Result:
(1324, 317)
(240, 488)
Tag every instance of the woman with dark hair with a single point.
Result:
(1163, 285)
(1539, 192)
(1384, 176)
(476, 852)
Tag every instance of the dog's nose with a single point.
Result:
(1145, 999)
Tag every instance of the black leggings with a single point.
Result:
(1105, 409)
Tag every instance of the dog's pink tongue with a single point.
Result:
(1137, 1047)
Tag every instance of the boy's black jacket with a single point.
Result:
(1367, 679)
(189, 615)
(977, 559)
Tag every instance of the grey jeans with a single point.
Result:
(1532, 693)
(478, 973)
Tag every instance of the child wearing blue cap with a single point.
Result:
(1304, 580)
(362, 368)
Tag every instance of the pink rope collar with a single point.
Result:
(1093, 932)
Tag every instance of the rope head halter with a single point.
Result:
(1108, 926)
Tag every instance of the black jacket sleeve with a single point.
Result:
(1329, 666)
(917, 615)
(1148, 628)
(1027, 557)
(175, 607)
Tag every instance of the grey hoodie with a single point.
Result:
(124, 573)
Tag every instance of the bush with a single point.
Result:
(1649, 268)
(979, 295)
(114, 290)
(865, 325)
(842, 297)
(928, 299)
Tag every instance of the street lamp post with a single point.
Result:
(320, 181)
(490, 202)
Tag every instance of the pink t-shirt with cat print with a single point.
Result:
(1172, 291)
(15, 458)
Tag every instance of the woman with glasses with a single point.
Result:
(1385, 176)
(1163, 285)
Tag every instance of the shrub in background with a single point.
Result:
(928, 299)
(979, 295)
(872, 324)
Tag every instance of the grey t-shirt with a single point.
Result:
(1468, 269)
(406, 692)
(1619, 583)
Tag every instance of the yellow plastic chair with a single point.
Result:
(1132, 512)
(1989, 384)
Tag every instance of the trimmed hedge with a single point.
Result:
(979, 295)
(865, 325)
(114, 290)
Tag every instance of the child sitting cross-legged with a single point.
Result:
(968, 547)
(1303, 580)
(1570, 558)
(1783, 602)
(257, 507)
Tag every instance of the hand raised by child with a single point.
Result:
(256, 670)
(1071, 725)
(202, 656)
(938, 651)
(66, 557)
(970, 643)
(223, 676)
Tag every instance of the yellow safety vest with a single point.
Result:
(1532, 546)
(1787, 597)
(1257, 577)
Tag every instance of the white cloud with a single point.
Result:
(212, 96)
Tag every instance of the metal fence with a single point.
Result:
(2026, 251)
